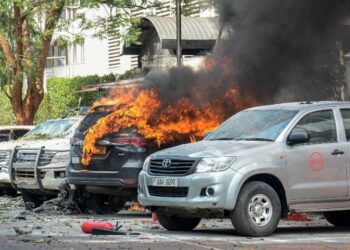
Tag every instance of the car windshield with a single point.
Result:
(51, 129)
(253, 125)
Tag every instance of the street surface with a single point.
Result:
(20, 229)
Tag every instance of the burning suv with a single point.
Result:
(37, 163)
(255, 168)
(111, 177)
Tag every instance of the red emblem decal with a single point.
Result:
(316, 161)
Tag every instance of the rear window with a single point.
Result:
(18, 133)
(90, 120)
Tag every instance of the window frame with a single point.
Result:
(342, 123)
(296, 122)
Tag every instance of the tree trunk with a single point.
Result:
(25, 109)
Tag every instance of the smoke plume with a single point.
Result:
(274, 50)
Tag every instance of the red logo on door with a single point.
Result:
(316, 161)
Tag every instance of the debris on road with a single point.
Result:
(21, 231)
(87, 226)
(7, 202)
(67, 202)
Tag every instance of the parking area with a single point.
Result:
(20, 229)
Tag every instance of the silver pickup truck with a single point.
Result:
(255, 168)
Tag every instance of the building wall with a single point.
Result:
(104, 56)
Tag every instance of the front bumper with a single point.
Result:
(52, 176)
(196, 197)
(126, 176)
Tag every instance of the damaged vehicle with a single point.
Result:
(110, 179)
(37, 163)
(9, 133)
(255, 168)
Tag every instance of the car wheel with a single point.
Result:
(117, 203)
(176, 223)
(257, 211)
(32, 198)
(338, 218)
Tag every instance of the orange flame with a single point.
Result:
(166, 121)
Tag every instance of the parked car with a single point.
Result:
(110, 179)
(255, 168)
(8, 133)
(37, 163)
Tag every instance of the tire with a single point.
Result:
(10, 192)
(338, 218)
(250, 204)
(104, 204)
(176, 223)
(117, 203)
(27, 197)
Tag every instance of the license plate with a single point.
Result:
(100, 151)
(75, 160)
(164, 182)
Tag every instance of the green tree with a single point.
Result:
(26, 33)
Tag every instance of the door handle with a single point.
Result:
(337, 152)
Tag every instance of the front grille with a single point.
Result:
(168, 191)
(30, 157)
(177, 167)
(45, 158)
(26, 156)
(27, 174)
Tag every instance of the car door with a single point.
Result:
(317, 169)
(345, 114)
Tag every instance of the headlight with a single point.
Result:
(214, 164)
(61, 157)
(4, 158)
(146, 163)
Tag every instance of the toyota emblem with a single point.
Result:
(166, 163)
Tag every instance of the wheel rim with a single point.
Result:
(260, 209)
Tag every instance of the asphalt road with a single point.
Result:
(55, 231)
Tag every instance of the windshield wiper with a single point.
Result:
(222, 139)
(254, 139)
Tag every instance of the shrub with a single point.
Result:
(61, 94)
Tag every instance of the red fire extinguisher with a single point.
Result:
(87, 226)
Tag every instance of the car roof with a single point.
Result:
(9, 127)
(299, 106)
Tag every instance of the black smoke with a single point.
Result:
(275, 50)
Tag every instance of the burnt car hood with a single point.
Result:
(211, 149)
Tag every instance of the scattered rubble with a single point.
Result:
(8, 202)
(67, 202)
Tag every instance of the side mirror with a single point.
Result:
(298, 137)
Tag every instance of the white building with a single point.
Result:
(104, 56)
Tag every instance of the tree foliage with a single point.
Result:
(27, 30)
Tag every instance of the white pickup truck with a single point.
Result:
(36, 164)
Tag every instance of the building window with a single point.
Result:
(78, 53)
(57, 56)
